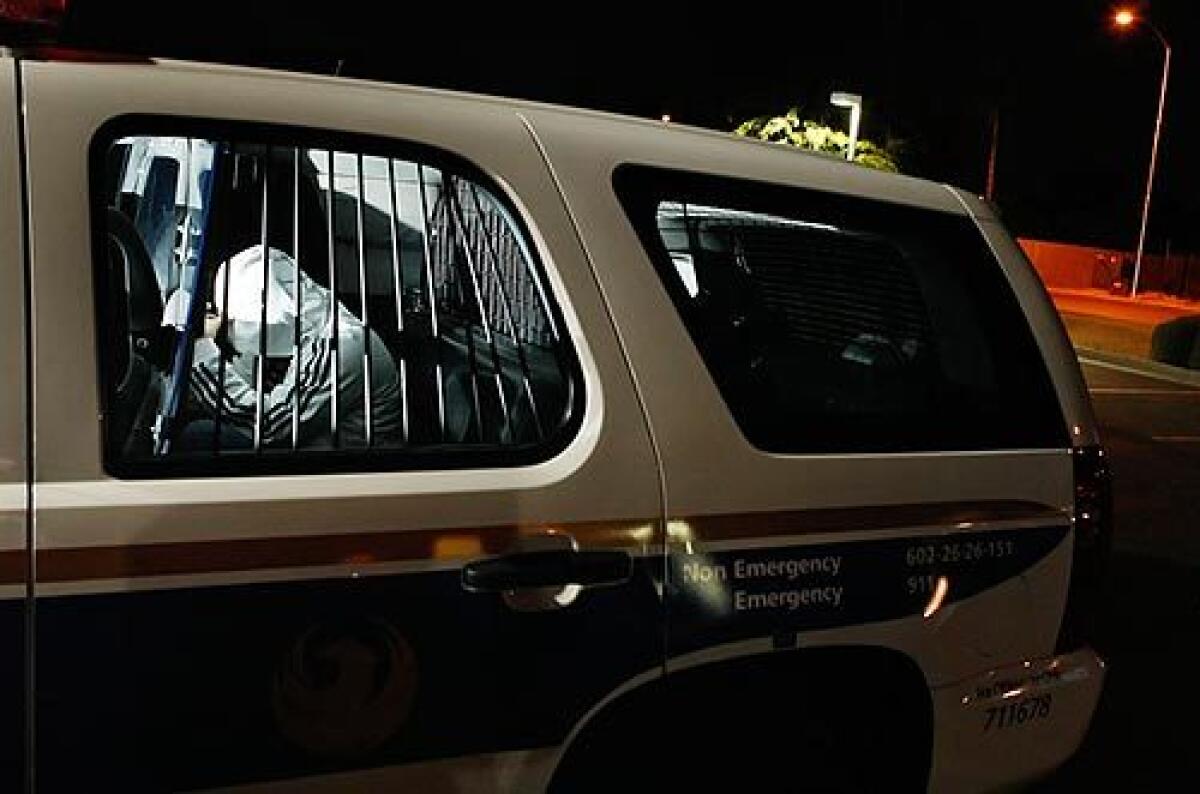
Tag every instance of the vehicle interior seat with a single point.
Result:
(135, 336)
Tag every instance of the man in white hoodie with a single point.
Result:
(300, 359)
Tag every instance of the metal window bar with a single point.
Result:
(449, 280)
(504, 278)
(218, 419)
(433, 312)
(494, 229)
(364, 292)
(690, 233)
(298, 298)
(540, 316)
(510, 284)
(398, 283)
(177, 387)
(473, 367)
(486, 226)
(164, 432)
(335, 363)
(181, 250)
(527, 297)
(526, 292)
(467, 292)
(489, 229)
(260, 373)
(455, 209)
(126, 155)
(507, 309)
(185, 233)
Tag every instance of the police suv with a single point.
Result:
(346, 447)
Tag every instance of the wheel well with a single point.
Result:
(851, 718)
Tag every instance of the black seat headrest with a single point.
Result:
(135, 271)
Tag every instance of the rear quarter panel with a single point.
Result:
(725, 498)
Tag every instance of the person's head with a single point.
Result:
(240, 302)
(238, 291)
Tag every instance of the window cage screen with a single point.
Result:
(272, 299)
(837, 324)
(825, 285)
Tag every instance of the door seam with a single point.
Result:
(26, 243)
(637, 389)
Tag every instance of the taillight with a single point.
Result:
(1093, 526)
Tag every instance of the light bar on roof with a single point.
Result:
(36, 13)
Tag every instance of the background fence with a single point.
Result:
(1082, 267)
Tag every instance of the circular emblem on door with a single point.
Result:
(345, 687)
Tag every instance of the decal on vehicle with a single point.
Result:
(1017, 713)
(344, 687)
(726, 595)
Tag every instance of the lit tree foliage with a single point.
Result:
(814, 136)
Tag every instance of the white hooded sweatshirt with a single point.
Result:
(310, 361)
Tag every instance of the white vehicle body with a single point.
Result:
(167, 613)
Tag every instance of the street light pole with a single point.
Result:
(989, 190)
(854, 102)
(1125, 19)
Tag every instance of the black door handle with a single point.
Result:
(553, 568)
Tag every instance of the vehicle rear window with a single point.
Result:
(831, 323)
(273, 299)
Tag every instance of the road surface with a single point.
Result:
(1151, 428)
(1146, 734)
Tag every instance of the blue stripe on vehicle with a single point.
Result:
(204, 687)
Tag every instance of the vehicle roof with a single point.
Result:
(635, 132)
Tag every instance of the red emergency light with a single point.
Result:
(22, 21)
(32, 27)
(35, 12)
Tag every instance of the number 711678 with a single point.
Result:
(1017, 713)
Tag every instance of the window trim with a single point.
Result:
(271, 462)
(639, 186)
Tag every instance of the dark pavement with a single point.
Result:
(1151, 427)
(1145, 736)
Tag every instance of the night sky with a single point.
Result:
(1076, 100)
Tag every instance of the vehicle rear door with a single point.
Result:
(221, 602)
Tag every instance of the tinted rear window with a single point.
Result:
(837, 324)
